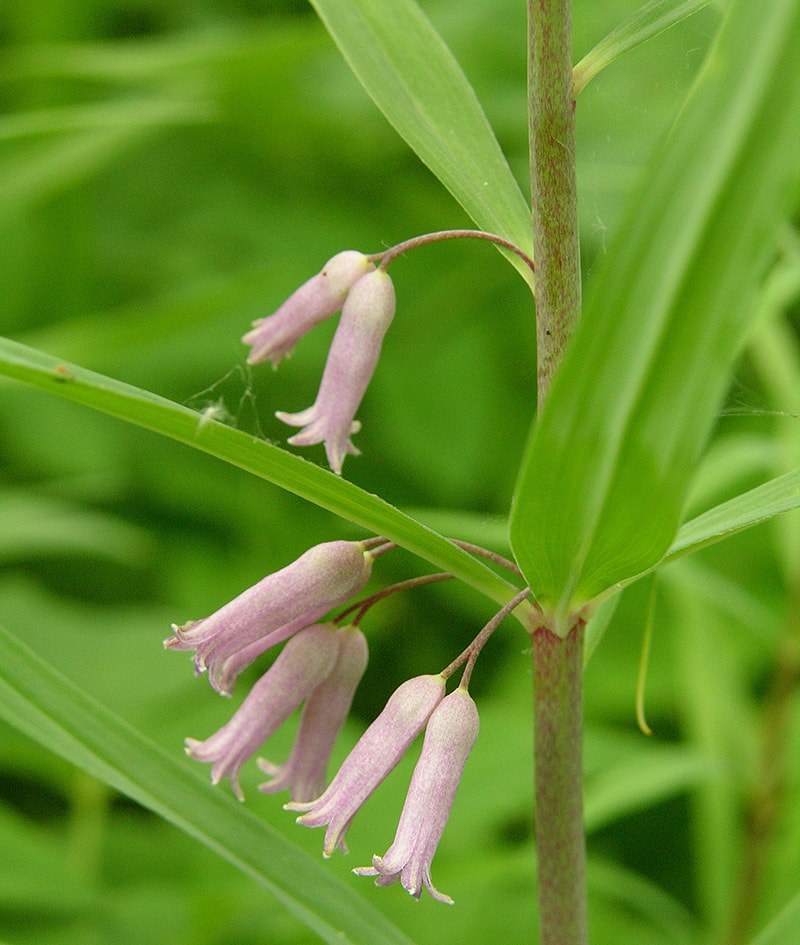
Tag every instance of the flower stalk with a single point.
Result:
(389, 255)
(472, 652)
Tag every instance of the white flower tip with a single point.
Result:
(337, 454)
(221, 686)
(175, 640)
(190, 746)
(293, 419)
(332, 844)
(234, 779)
(416, 892)
(267, 766)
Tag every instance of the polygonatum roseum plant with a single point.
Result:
(701, 267)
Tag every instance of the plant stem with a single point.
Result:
(558, 733)
(558, 663)
(551, 116)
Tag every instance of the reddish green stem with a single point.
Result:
(551, 119)
(389, 255)
(558, 663)
(558, 736)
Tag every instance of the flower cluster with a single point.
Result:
(449, 737)
(320, 665)
(319, 668)
(365, 295)
(350, 282)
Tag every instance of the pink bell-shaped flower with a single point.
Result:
(375, 754)
(449, 738)
(324, 713)
(302, 666)
(282, 603)
(273, 338)
(366, 315)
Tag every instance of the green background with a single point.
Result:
(168, 173)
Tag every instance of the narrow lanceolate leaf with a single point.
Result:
(286, 470)
(744, 511)
(648, 21)
(608, 467)
(413, 78)
(47, 707)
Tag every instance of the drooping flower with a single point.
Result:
(282, 603)
(302, 666)
(366, 316)
(375, 754)
(449, 738)
(323, 716)
(273, 338)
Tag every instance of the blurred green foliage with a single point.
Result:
(170, 171)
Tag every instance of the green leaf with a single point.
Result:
(751, 508)
(643, 779)
(608, 467)
(664, 920)
(411, 75)
(648, 21)
(38, 701)
(130, 113)
(783, 928)
(744, 511)
(290, 472)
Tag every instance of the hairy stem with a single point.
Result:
(558, 663)
(558, 735)
(551, 117)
